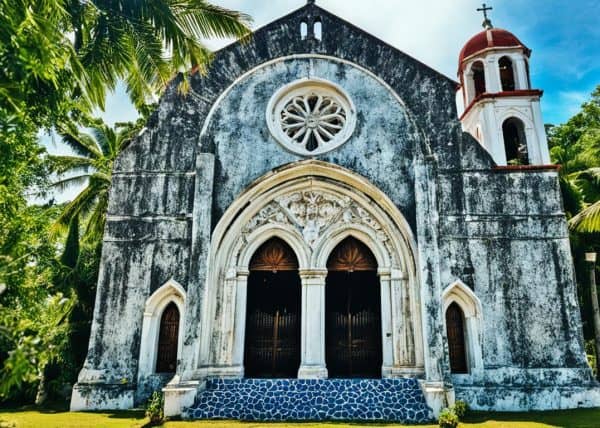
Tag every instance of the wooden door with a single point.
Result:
(456, 339)
(272, 345)
(353, 320)
(166, 361)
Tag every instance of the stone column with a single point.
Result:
(436, 386)
(239, 334)
(492, 75)
(387, 335)
(520, 73)
(312, 361)
(181, 390)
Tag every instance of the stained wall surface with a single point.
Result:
(501, 233)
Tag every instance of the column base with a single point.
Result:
(179, 396)
(224, 371)
(396, 371)
(312, 372)
(438, 395)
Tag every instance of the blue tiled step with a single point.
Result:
(399, 400)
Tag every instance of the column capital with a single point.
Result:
(312, 273)
(241, 272)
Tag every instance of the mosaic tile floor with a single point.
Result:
(399, 400)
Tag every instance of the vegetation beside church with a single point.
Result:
(49, 254)
(58, 60)
(575, 145)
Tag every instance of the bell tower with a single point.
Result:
(495, 101)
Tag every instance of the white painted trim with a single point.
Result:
(232, 246)
(461, 294)
(169, 292)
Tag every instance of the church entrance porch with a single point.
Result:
(272, 347)
(353, 307)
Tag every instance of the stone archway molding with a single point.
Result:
(170, 291)
(312, 206)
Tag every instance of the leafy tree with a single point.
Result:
(95, 152)
(575, 145)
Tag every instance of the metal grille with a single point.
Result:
(353, 324)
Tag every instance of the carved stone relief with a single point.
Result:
(312, 212)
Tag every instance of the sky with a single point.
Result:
(564, 37)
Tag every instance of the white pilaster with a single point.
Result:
(240, 319)
(312, 362)
(387, 330)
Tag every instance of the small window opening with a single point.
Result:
(455, 333)
(515, 142)
(303, 30)
(166, 361)
(507, 75)
(478, 78)
(318, 29)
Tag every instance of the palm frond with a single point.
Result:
(61, 164)
(588, 220)
(80, 142)
(66, 183)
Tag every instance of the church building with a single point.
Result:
(325, 228)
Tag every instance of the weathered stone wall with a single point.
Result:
(503, 234)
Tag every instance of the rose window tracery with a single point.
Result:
(311, 117)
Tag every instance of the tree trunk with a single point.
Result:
(41, 396)
(596, 309)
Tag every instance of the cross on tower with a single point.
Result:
(486, 21)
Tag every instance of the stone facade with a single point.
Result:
(207, 183)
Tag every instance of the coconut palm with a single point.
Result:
(144, 42)
(95, 151)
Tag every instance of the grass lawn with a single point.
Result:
(30, 417)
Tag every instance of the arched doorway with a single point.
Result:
(166, 360)
(455, 332)
(353, 312)
(272, 343)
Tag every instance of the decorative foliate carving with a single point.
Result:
(312, 212)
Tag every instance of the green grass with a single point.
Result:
(31, 417)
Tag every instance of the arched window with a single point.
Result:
(507, 75)
(515, 142)
(166, 360)
(478, 73)
(318, 29)
(303, 30)
(455, 332)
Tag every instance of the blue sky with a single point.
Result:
(563, 35)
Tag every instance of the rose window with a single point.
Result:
(311, 117)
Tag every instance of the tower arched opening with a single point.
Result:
(515, 142)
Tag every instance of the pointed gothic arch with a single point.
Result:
(460, 296)
(275, 206)
(170, 293)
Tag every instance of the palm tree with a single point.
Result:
(91, 165)
(144, 42)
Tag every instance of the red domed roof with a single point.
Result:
(490, 38)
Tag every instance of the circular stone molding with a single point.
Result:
(311, 117)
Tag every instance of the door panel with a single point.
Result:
(272, 345)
